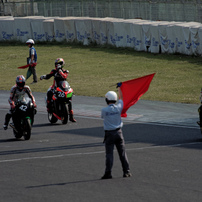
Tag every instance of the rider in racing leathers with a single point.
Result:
(18, 92)
(59, 75)
(200, 112)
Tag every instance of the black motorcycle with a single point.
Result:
(200, 113)
(23, 119)
(59, 103)
(200, 117)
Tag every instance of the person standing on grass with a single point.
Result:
(113, 133)
(31, 60)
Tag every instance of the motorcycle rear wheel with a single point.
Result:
(52, 118)
(28, 127)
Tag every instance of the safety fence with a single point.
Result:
(141, 35)
(164, 10)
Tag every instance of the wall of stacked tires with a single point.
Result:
(141, 35)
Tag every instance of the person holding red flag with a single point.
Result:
(31, 60)
(113, 133)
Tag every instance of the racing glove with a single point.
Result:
(58, 67)
(12, 104)
(34, 105)
(42, 77)
(118, 84)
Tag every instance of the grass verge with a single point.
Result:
(95, 70)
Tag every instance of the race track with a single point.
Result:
(66, 162)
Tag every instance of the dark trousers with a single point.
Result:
(33, 70)
(7, 118)
(115, 137)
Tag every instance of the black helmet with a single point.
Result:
(20, 81)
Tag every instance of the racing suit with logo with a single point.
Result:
(17, 94)
(59, 75)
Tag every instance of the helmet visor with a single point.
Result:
(20, 84)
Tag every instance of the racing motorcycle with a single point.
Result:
(200, 113)
(23, 118)
(62, 95)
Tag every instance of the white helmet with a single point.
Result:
(111, 96)
(30, 41)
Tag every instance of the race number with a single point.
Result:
(23, 108)
(61, 94)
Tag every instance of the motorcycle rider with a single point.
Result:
(59, 75)
(200, 112)
(18, 92)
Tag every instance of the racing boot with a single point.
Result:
(71, 117)
(7, 119)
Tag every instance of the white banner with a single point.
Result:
(6, 29)
(38, 31)
(142, 35)
(83, 27)
(59, 30)
(69, 28)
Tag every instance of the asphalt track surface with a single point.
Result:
(65, 162)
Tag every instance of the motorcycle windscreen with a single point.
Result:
(64, 85)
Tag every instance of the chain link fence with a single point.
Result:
(163, 10)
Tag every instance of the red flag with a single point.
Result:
(25, 66)
(133, 89)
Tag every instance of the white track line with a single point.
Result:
(97, 152)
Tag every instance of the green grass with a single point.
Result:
(94, 70)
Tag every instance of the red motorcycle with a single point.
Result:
(60, 103)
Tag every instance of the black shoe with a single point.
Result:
(127, 174)
(106, 176)
(5, 127)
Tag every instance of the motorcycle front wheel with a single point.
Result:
(65, 114)
(52, 118)
(17, 135)
(27, 132)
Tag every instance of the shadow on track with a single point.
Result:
(63, 184)
(134, 133)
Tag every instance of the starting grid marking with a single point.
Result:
(97, 152)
